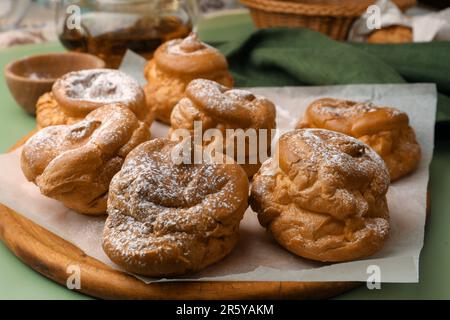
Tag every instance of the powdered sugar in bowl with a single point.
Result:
(31, 77)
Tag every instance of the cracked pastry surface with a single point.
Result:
(385, 129)
(324, 196)
(167, 219)
(175, 64)
(222, 108)
(75, 163)
(77, 93)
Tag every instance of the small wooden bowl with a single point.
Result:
(31, 77)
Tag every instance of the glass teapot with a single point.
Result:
(107, 28)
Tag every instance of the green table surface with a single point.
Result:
(18, 281)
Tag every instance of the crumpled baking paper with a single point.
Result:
(257, 257)
(426, 27)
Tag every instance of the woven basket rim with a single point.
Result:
(288, 7)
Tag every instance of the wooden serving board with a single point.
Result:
(50, 255)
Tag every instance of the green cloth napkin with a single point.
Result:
(279, 57)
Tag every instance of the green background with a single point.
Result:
(18, 281)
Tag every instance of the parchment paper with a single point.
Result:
(257, 257)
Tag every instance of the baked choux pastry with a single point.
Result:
(175, 64)
(391, 34)
(75, 163)
(219, 107)
(323, 197)
(385, 129)
(167, 219)
(77, 93)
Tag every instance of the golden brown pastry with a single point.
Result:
(167, 219)
(174, 65)
(325, 197)
(391, 34)
(222, 108)
(75, 163)
(385, 129)
(77, 93)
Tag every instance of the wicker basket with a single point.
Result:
(331, 17)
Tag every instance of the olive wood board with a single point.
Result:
(50, 255)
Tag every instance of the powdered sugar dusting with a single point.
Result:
(337, 151)
(99, 85)
(351, 109)
(190, 45)
(223, 101)
(154, 201)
